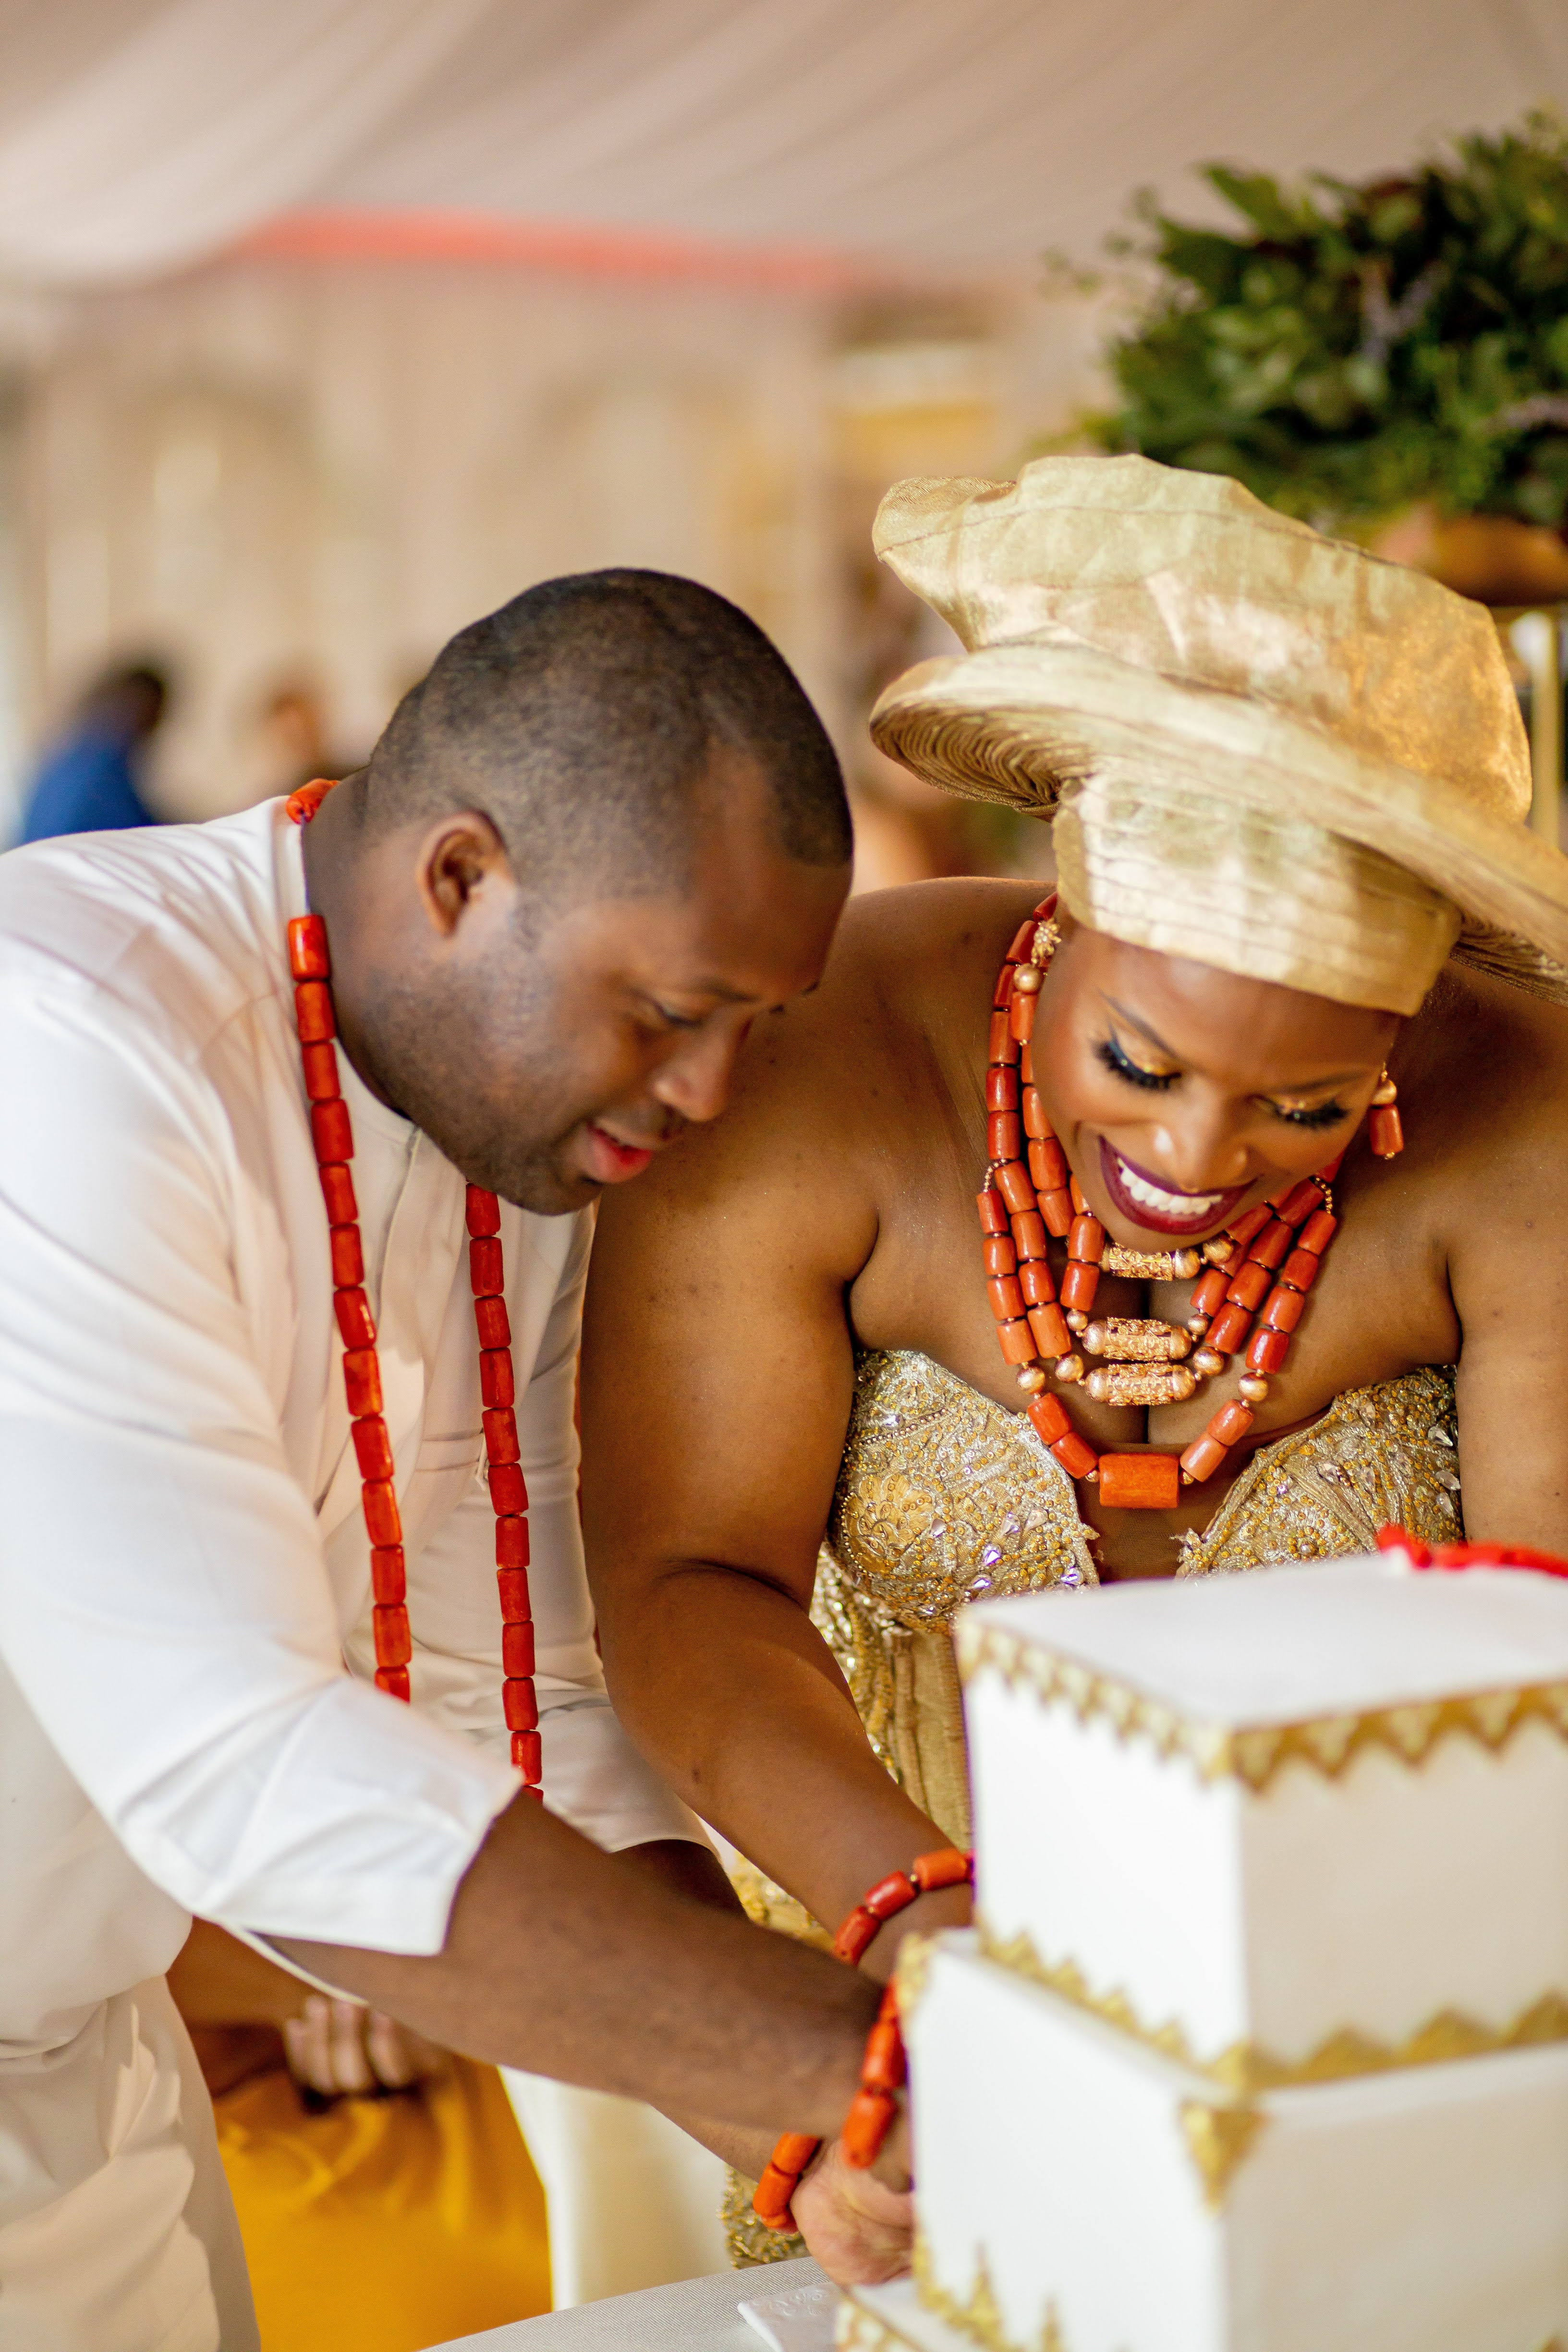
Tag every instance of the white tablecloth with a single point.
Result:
(699, 2315)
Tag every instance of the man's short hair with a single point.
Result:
(580, 718)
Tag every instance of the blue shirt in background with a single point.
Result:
(85, 785)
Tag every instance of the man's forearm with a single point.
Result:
(696, 1870)
(726, 1686)
(562, 1960)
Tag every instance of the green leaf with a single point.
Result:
(1351, 347)
(1260, 200)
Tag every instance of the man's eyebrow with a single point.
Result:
(1153, 1036)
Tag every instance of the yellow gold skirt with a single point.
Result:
(385, 2224)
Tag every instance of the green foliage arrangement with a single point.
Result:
(1356, 349)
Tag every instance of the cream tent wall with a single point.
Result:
(324, 324)
(138, 134)
(271, 465)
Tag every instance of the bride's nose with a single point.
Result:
(1201, 1152)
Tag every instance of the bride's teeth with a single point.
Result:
(1173, 1203)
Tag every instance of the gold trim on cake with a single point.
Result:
(911, 1971)
(856, 2330)
(1219, 2140)
(980, 2317)
(1246, 2067)
(1254, 1753)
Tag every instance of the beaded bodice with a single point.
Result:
(944, 1497)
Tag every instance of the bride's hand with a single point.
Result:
(334, 2047)
(859, 2225)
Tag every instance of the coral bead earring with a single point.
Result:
(1383, 1130)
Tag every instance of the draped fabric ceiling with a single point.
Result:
(913, 135)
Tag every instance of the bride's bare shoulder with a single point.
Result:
(908, 965)
(928, 936)
(957, 907)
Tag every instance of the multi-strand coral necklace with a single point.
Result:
(1253, 1278)
(332, 1132)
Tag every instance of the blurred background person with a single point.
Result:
(89, 780)
(293, 738)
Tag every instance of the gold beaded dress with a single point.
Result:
(944, 1497)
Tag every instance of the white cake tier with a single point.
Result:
(1287, 1826)
(1078, 2193)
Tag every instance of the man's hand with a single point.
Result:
(335, 2047)
(241, 2008)
(859, 2225)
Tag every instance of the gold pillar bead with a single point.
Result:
(1209, 1362)
(1146, 1266)
(1131, 1340)
(1069, 1369)
(1140, 1383)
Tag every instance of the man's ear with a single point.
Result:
(456, 859)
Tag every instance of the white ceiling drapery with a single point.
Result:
(136, 135)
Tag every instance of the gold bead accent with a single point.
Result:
(1031, 1379)
(1209, 1362)
(1386, 1091)
(1198, 1324)
(1150, 1265)
(1027, 980)
(1220, 1252)
(1138, 1265)
(1069, 1369)
(1140, 1383)
(1136, 1342)
(1254, 1387)
(1077, 1320)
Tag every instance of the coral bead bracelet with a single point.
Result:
(332, 1132)
(874, 2103)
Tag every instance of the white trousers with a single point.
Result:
(633, 2200)
(117, 2230)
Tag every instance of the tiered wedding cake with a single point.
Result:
(1260, 2043)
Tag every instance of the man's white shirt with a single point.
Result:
(187, 1722)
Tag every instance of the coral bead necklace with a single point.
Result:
(1253, 1285)
(332, 1134)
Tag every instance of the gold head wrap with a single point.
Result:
(1263, 749)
